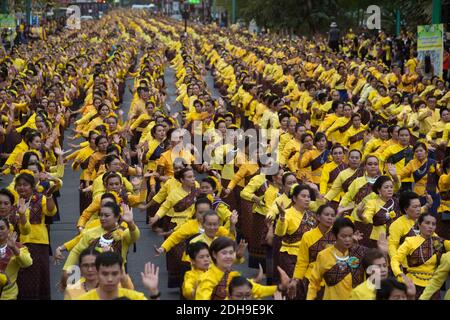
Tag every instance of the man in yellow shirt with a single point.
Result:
(110, 271)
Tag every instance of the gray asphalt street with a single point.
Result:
(65, 229)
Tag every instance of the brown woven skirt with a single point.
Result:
(34, 281)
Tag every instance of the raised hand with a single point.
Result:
(383, 242)
(260, 276)
(234, 217)
(240, 251)
(150, 278)
(281, 211)
(127, 215)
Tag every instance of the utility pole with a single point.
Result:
(233, 11)
(397, 22)
(436, 15)
(28, 11)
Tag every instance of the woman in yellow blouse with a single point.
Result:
(293, 223)
(425, 172)
(313, 242)
(360, 190)
(312, 160)
(31, 141)
(109, 236)
(97, 158)
(406, 225)
(262, 191)
(81, 159)
(345, 178)
(13, 257)
(340, 265)
(443, 224)
(336, 132)
(88, 280)
(377, 214)
(176, 210)
(400, 154)
(354, 136)
(89, 122)
(9, 209)
(213, 284)
(331, 170)
(34, 282)
(422, 253)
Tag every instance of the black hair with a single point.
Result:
(180, 174)
(99, 137)
(211, 182)
(26, 177)
(110, 158)
(322, 208)
(202, 200)
(379, 182)
(108, 259)
(341, 223)
(238, 281)
(29, 137)
(7, 193)
(219, 244)
(111, 148)
(423, 216)
(305, 135)
(114, 207)
(418, 145)
(286, 175)
(405, 200)
(404, 129)
(110, 175)
(88, 252)
(391, 129)
(108, 195)
(370, 256)
(295, 191)
(446, 165)
(194, 248)
(387, 286)
(26, 158)
(153, 131)
(319, 136)
(209, 213)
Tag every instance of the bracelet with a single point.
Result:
(155, 296)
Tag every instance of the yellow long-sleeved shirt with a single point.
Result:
(415, 165)
(326, 180)
(371, 208)
(168, 205)
(127, 238)
(190, 283)
(398, 230)
(307, 252)
(187, 230)
(422, 274)
(336, 189)
(365, 291)
(438, 279)
(211, 278)
(444, 187)
(394, 150)
(129, 294)
(267, 198)
(91, 212)
(38, 232)
(326, 259)
(15, 263)
(292, 223)
(305, 165)
(245, 170)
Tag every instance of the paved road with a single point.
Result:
(64, 230)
